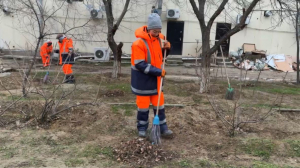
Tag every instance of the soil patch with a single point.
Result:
(141, 152)
(114, 93)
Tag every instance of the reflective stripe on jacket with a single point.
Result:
(45, 50)
(146, 63)
(64, 47)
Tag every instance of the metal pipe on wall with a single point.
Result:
(159, 8)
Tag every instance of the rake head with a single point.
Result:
(229, 93)
(155, 132)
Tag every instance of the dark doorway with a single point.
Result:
(222, 29)
(175, 36)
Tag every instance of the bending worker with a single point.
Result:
(45, 52)
(66, 57)
(146, 73)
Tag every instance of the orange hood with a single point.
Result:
(142, 33)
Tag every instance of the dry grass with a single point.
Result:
(86, 136)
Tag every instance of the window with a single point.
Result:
(70, 1)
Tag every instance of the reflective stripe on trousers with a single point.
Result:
(143, 91)
(143, 119)
(143, 103)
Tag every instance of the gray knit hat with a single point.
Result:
(154, 21)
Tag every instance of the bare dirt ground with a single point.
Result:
(104, 135)
(177, 71)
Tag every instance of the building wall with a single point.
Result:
(9, 35)
(261, 31)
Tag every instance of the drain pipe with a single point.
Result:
(159, 8)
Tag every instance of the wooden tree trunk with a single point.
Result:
(297, 40)
(112, 29)
(119, 67)
(113, 46)
(119, 55)
(205, 64)
(117, 51)
(205, 78)
(115, 69)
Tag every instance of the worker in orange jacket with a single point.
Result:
(66, 57)
(45, 52)
(146, 72)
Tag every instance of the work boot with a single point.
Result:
(167, 133)
(71, 79)
(142, 134)
(67, 78)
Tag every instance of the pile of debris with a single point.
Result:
(249, 58)
(281, 62)
(114, 93)
(141, 152)
(5, 70)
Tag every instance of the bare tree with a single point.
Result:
(243, 110)
(45, 99)
(39, 22)
(288, 11)
(112, 28)
(34, 15)
(37, 10)
(297, 39)
(207, 50)
(235, 114)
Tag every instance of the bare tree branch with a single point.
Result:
(52, 14)
(216, 14)
(199, 12)
(236, 29)
(111, 31)
(122, 14)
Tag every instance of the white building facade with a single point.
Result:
(182, 32)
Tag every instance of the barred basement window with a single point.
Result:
(70, 1)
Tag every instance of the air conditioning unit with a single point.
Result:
(5, 7)
(173, 13)
(6, 10)
(268, 13)
(101, 54)
(95, 14)
(238, 19)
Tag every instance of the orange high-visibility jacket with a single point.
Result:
(45, 50)
(64, 47)
(146, 63)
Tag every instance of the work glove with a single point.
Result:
(167, 45)
(163, 73)
(71, 50)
